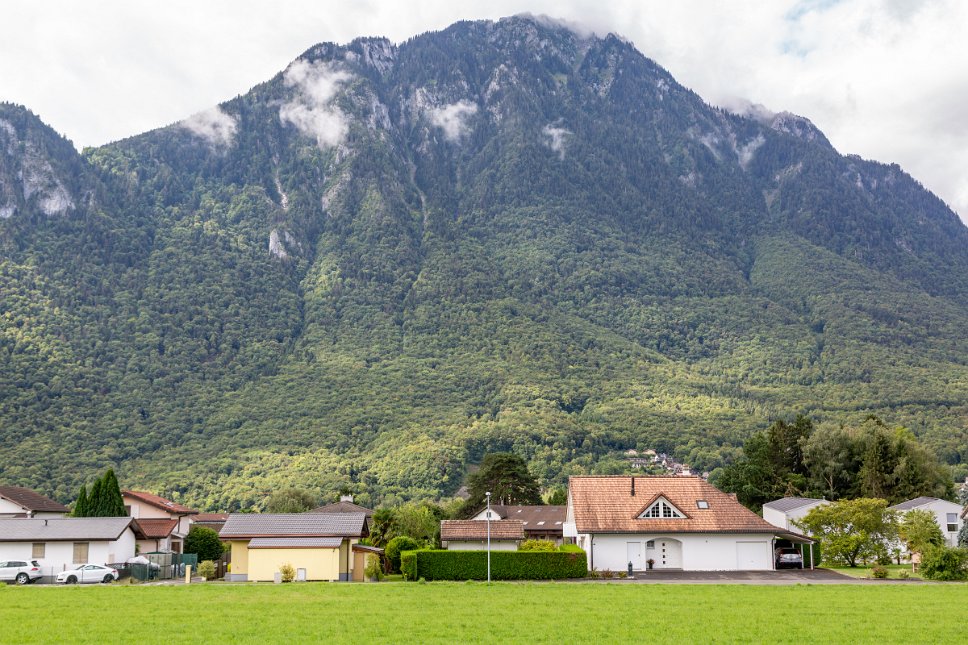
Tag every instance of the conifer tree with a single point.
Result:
(94, 500)
(81, 505)
(113, 503)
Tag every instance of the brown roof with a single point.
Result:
(477, 530)
(210, 518)
(606, 505)
(31, 500)
(343, 507)
(535, 518)
(154, 529)
(159, 502)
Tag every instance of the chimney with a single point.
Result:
(346, 498)
(45, 522)
(633, 485)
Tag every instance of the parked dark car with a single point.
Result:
(788, 559)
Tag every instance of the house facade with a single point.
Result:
(472, 535)
(17, 501)
(165, 523)
(680, 523)
(60, 543)
(320, 546)
(540, 522)
(787, 511)
(947, 514)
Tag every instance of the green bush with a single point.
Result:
(288, 572)
(408, 565)
(944, 563)
(570, 548)
(879, 571)
(537, 545)
(505, 565)
(203, 542)
(395, 547)
(206, 569)
(373, 571)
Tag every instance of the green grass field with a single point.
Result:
(478, 613)
(894, 571)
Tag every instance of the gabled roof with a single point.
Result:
(31, 500)
(607, 504)
(210, 518)
(296, 543)
(477, 530)
(787, 504)
(154, 529)
(917, 502)
(159, 502)
(252, 525)
(63, 529)
(343, 507)
(535, 518)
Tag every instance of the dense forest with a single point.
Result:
(389, 260)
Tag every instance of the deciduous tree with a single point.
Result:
(852, 530)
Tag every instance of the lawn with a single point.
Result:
(478, 613)
(864, 571)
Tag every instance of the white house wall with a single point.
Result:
(10, 509)
(59, 556)
(789, 519)
(700, 552)
(941, 508)
(481, 545)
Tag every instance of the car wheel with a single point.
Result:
(71, 580)
(22, 578)
(108, 578)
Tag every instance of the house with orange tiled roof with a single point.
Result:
(164, 524)
(681, 523)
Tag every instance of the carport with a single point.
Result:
(794, 538)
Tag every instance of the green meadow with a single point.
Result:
(479, 613)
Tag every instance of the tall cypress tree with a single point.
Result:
(80, 506)
(95, 500)
(111, 491)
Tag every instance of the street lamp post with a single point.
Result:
(488, 494)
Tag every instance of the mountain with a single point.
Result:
(390, 259)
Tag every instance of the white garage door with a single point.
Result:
(753, 556)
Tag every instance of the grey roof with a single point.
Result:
(914, 503)
(31, 500)
(251, 525)
(787, 504)
(296, 543)
(343, 506)
(62, 529)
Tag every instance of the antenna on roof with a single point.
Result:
(633, 485)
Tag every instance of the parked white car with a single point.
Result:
(88, 573)
(20, 571)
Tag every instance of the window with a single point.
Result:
(952, 522)
(38, 550)
(80, 552)
(662, 509)
(701, 503)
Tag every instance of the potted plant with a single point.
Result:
(650, 562)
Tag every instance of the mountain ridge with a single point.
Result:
(386, 260)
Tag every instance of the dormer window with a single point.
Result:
(662, 509)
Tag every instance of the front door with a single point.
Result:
(634, 550)
(666, 553)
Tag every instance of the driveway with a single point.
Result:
(783, 577)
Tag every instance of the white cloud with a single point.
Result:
(885, 79)
(556, 138)
(452, 119)
(311, 109)
(213, 125)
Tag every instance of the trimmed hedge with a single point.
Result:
(505, 565)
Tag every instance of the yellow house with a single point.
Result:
(320, 546)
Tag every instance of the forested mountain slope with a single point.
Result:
(387, 260)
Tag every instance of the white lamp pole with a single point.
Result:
(488, 494)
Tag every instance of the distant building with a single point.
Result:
(539, 522)
(16, 501)
(947, 515)
(785, 512)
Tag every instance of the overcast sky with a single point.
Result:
(885, 79)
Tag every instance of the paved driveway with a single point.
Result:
(783, 577)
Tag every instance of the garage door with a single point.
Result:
(753, 556)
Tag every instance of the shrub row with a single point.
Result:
(505, 565)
